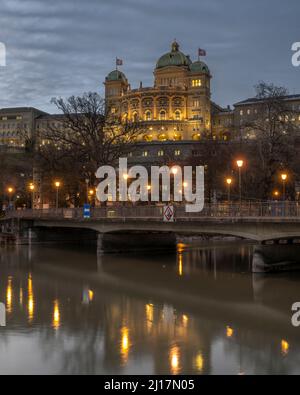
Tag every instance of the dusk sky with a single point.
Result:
(66, 47)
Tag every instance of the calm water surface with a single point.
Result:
(198, 312)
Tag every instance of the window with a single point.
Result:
(148, 137)
(135, 117)
(197, 136)
(161, 153)
(196, 103)
(145, 154)
(248, 111)
(148, 115)
(241, 113)
(162, 137)
(177, 152)
(196, 83)
(162, 115)
(177, 115)
(177, 137)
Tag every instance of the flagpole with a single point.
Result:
(117, 64)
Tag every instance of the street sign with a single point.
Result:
(87, 211)
(169, 214)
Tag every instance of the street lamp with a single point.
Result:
(10, 191)
(57, 186)
(229, 182)
(240, 164)
(91, 194)
(284, 178)
(32, 189)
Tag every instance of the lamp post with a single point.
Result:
(87, 181)
(57, 186)
(32, 188)
(10, 191)
(284, 178)
(91, 194)
(229, 182)
(240, 164)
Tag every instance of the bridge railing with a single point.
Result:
(220, 210)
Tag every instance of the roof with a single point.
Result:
(254, 100)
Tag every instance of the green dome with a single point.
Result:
(116, 75)
(173, 58)
(199, 67)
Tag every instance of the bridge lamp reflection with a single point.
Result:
(56, 315)
(285, 347)
(229, 332)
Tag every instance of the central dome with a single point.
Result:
(173, 58)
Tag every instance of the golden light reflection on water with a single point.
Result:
(149, 316)
(21, 297)
(180, 264)
(175, 360)
(56, 315)
(199, 362)
(125, 344)
(285, 347)
(91, 295)
(9, 295)
(31, 303)
(229, 332)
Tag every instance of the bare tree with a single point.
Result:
(275, 132)
(89, 134)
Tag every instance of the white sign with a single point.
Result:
(169, 214)
(2, 315)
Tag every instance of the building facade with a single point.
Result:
(177, 108)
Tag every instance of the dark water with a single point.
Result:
(198, 312)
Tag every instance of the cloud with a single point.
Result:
(66, 47)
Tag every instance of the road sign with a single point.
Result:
(87, 211)
(169, 214)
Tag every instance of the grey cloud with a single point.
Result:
(66, 47)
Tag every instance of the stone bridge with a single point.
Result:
(122, 228)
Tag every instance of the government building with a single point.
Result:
(174, 115)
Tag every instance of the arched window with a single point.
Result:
(148, 116)
(162, 115)
(135, 117)
(148, 137)
(197, 136)
(177, 137)
(162, 137)
(177, 115)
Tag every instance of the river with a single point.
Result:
(200, 311)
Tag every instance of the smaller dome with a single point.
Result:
(116, 75)
(199, 67)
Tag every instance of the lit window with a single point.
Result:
(177, 137)
(197, 136)
(177, 153)
(196, 103)
(162, 137)
(196, 83)
(162, 115)
(145, 154)
(148, 116)
(241, 113)
(148, 137)
(135, 117)
(248, 112)
(177, 115)
(161, 153)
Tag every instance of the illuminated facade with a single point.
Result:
(178, 107)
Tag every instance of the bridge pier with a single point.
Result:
(109, 243)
